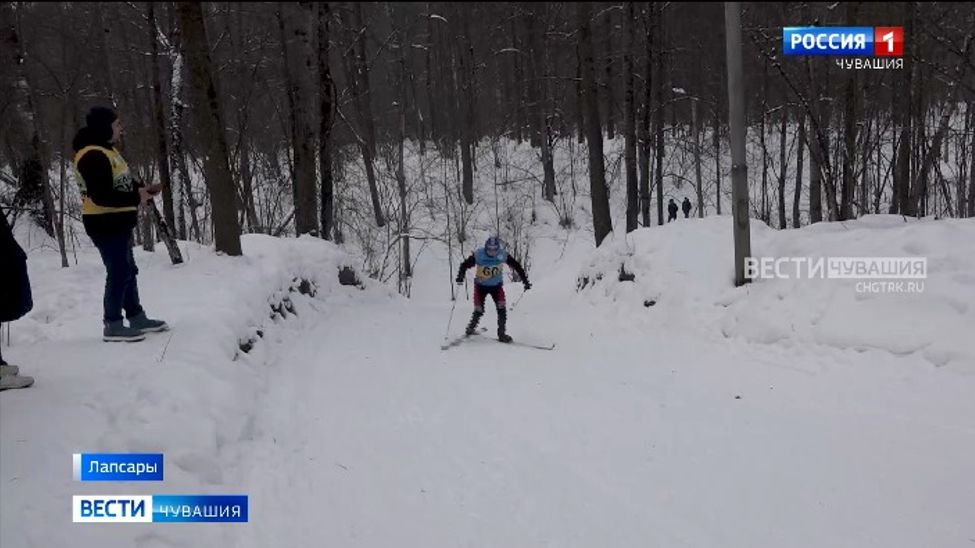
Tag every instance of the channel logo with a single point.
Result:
(111, 509)
(159, 509)
(844, 41)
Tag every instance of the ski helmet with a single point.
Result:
(492, 245)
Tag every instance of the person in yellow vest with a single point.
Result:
(110, 200)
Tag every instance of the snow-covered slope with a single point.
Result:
(687, 268)
(783, 413)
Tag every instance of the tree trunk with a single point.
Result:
(816, 149)
(610, 114)
(971, 170)
(300, 65)
(162, 145)
(695, 115)
(645, 123)
(764, 212)
(580, 101)
(849, 149)
(902, 172)
(716, 142)
(800, 152)
(23, 136)
(404, 217)
(466, 59)
(933, 153)
(326, 89)
(542, 111)
(357, 77)
(181, 174)
(782, 159)
(602, 223)
(216, 162)
(629, 126)
(432, 91)
(658, 119)
(960, 186)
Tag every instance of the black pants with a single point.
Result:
(121, 285)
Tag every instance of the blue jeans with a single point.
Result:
(121, 285)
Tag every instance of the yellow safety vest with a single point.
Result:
(121, 180)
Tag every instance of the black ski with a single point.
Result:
(457, 340)
(530, 345)
(162, 227)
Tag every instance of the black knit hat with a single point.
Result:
(99, 120)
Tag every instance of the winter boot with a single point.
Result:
(117, 332)
(15, 381)
(472, 326)
(502, 321)
(143, 324)
(6, 370)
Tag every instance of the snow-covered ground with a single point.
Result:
(784, 413)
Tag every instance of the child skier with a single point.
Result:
(489, 280)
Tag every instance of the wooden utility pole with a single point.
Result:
(739, 170)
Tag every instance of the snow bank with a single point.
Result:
(189, 393)
(687, 269)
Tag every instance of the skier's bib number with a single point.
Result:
(488, 272)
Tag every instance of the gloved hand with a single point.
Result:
(459, 281)
(528, 285)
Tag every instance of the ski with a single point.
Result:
(457, 340)
(162, 227)
(531, 345)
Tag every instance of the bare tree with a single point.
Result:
(357, 75)
(698, 183)
(326, 97)
(658, 118)
(629, 124)
(24, 137)
(299, 59)
(602, 223)
(216, 163)
(645, 148)
(782, 170)
(800, 150)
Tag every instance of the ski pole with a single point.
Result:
(451, 319)
(518, 300)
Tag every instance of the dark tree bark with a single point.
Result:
(608, 84)
(716, 143)
(849, 149)
(326, 90)
(782, 165)
(162, 145)
(699, 184)
(23, 136)
(800, 153)
(357, 74)
(216, 164)
(602, 223)
(658, 119)
(629, 22)
(645, 148)
(299, 58)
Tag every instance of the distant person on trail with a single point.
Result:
(110, 201)
(686, 206)
(489, 280)
(672, 211)
(15, 298)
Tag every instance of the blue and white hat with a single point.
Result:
(492, 246)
